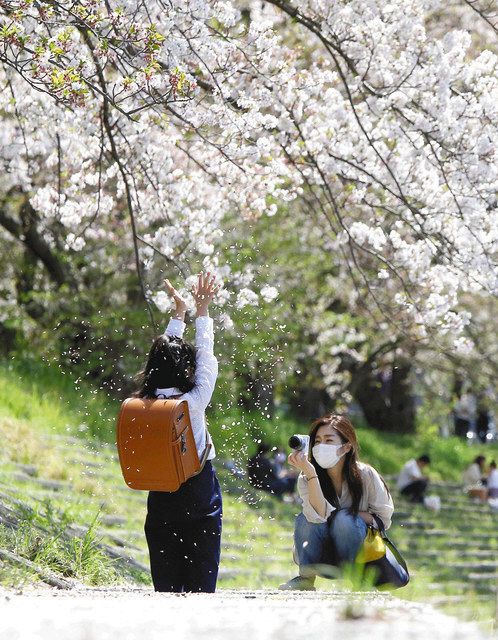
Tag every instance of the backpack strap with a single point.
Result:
(380, 525)
(207, 450)
(204, 458)
(208, 446)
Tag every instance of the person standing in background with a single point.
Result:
(465, 414)
(483, 420)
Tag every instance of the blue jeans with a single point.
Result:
(318, 543)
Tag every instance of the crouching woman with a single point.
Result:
(340, 495)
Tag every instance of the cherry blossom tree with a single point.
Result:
(150, 126)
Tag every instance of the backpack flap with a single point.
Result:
(155, 444)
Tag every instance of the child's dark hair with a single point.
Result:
(171, 363)
(263, 447)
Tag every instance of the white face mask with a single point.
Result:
(327, 455)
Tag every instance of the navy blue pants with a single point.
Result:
(183, 532)
(415, 490)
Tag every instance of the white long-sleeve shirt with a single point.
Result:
(493, 479)
(376, 498)
(408, 474)
(206, 372)
(472, 476)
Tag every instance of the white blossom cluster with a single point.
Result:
(383, 131)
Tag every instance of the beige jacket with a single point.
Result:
(472, 477)
(376, 499)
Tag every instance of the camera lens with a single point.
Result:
(295, 442)
(299, 442)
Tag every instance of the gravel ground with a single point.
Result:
(140, 614)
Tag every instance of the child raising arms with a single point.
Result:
(183, 528)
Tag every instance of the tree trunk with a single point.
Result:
(308, 399)
(258, 391)
(25, 230)
(7, 340)
(309, 403)
(385, 397)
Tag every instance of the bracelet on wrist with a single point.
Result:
(312, 478)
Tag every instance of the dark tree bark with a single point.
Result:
(258, 391)
(7, 340)
(308, 398)
(25, 230)
(79, 348)
(309, 403)
(386, 397)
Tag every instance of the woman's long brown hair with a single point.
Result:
(345, 429)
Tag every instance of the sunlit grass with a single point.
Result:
(257, 533)
(41, 539)
(42, 396)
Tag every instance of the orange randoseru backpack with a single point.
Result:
(156, 444)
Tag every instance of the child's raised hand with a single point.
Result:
(180, 303)
(204, 291)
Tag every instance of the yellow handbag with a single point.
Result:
(380, 553)
(373, 547)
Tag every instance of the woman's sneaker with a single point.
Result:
(299, 584)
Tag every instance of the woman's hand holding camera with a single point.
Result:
(300, 460)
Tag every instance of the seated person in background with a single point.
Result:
(474, 478)
(279, 459)
(411, 480)
(234, 469)
(493, 480)
(263, 474)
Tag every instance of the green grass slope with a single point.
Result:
(66, 514)
(46, 398)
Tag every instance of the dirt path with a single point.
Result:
(140, 614)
